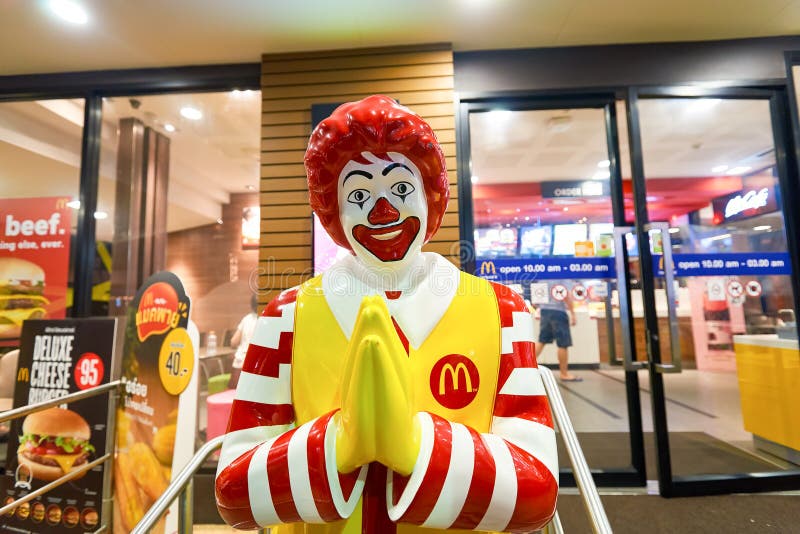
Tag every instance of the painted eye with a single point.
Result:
(358, 196)
(402, 189)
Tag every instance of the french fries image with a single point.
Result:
(147, 470)
(128, 499)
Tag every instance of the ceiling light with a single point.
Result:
(100, 215)
(602, 175)
(193, 114)
(756, 228)
(674, 230)
(651, 198)
(69, 11)
(719, 168)
(566, 208)
(169, 127)
(475, 178)
(219, 221)
(500, 114)
(527, 218)
(250, 187)
(74, 204)
(739, 170)
(604, 164)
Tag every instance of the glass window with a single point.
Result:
(40, 156)
(203, 150)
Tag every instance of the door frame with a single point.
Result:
(633, 475)
(786, 163)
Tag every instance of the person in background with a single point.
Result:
(241, 340)
(555, 319)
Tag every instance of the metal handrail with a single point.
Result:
(54, 484)
(22, 411)
(176, 488)
(583, 476)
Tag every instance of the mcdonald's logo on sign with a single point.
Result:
(487, 267)
(454, 381)
(24, 375)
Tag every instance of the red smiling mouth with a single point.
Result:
(388, 243)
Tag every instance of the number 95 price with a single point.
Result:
(89, 371)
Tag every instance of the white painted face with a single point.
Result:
(383, 210)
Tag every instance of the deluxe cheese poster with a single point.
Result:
(59, 357)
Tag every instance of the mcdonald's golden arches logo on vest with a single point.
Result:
(454, 381)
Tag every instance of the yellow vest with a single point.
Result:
(455, 370)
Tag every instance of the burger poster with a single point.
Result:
(34, 262)
(157, 418)
(59, 357)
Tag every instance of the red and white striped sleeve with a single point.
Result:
(270, 472)
(503, 480)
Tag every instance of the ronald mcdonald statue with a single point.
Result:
(393, 393)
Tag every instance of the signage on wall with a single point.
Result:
(575, 189)
(59, 357)
(519, 270)
(251, 226)
(744, 204)
(34, 262)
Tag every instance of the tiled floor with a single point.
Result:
(697, 401)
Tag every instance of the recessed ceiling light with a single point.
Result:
(739, 170)
(763, 227)
(604, 164)
(250, 187)
(193, 114)
(475, 178)
(602, 175)
(169, 127)
(100, 215)
(566, 208)
(69, 11)
(719, 168)
(651, 198)
(74, 204)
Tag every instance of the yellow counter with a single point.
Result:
(768, 368)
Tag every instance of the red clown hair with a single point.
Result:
(376, 124)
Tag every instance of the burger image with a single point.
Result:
(71, 516)
(21, 288)
(37, 512)
(53, 442)
(89, 518)
(24, 510)
(53, 514)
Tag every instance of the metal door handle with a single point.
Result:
(624, 303)
(675, 365)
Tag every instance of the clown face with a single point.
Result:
(382, 209)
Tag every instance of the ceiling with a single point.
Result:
(684, 141)
(152, 33)
(210, 158)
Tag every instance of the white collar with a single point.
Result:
(417, 311)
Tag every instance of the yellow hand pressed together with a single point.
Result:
(376, 422)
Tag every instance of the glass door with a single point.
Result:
(710, 176)
(542, 189)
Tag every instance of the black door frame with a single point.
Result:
(634, 475)
(786, 161)
(92, 87)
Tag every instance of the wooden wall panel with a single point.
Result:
(420, 77)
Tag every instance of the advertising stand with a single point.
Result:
(57, 358)
(157, 417)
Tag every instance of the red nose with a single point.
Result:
(383, 213)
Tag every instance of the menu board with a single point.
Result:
(159, 401)
(59, 357)
(34, 262)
